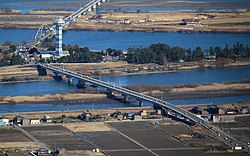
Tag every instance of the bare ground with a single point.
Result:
(22, 145)
(223, 21)
(87, 127)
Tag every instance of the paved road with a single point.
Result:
(217, 132)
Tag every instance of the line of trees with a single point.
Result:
(9, 57)
(159, 53)
(80, 55)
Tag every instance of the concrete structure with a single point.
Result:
(59, 25)
(167, 108)
(45, 31)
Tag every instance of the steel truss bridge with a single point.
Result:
(45, 31)
(167, 108)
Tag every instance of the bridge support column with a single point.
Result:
(125, 98)
(94, 6)
(103, 1)
(165, 112)
(99, 3)
(140, 103)
(89, 9)
(80, 84)
(70, 81)
(110, 93)
(41, 71)
(57, 77)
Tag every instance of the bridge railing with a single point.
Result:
(224, 137)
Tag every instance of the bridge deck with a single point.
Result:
(221, 135)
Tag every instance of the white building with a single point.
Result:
(35, 121)
(4, 121)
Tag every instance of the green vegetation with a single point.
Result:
(80, 55)
(159, 53)
(8, 55)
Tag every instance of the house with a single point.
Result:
(191, 21)
(196, 110)
(212, 109)
(86, 116)
(35, 121)
(18, 120)
(4, 121)
(42, 152)
(126, 21)
(46, 118)
(130, 115)
(143, 113)
(223, 117)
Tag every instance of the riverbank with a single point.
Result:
(16, 74)
(88, 96)
(210, 21)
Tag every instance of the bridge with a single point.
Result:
(45, 31)
(167, 108)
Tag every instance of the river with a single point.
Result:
(28, 5)
(101, 40)
(168, 78)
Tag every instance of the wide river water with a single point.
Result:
(28, 5)
(198, 76)
(101, 40)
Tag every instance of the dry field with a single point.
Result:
(168, 21)
(50, 97)
(22, 145)
(87, 127)
(224, 20)
(214, 86)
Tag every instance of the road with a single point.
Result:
(220, 134)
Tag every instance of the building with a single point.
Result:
(126, 21)
(18, 120)
(46, 54)
(191, 21)
(59, 25)
(47, 119)
(212, 109)
(35, 121)
(196, 110)
(223, 117)
(4, 121)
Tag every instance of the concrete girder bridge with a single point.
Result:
(167, 108)
(45, 31)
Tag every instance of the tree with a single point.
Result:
(198, 54)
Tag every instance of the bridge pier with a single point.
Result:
(70, 81)
(99, 3)
(103, 1)
(57, 77)
(41, 71)
(89, 9)
(110, 93)
(140, 103)
(125, 98)
(80, 84)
